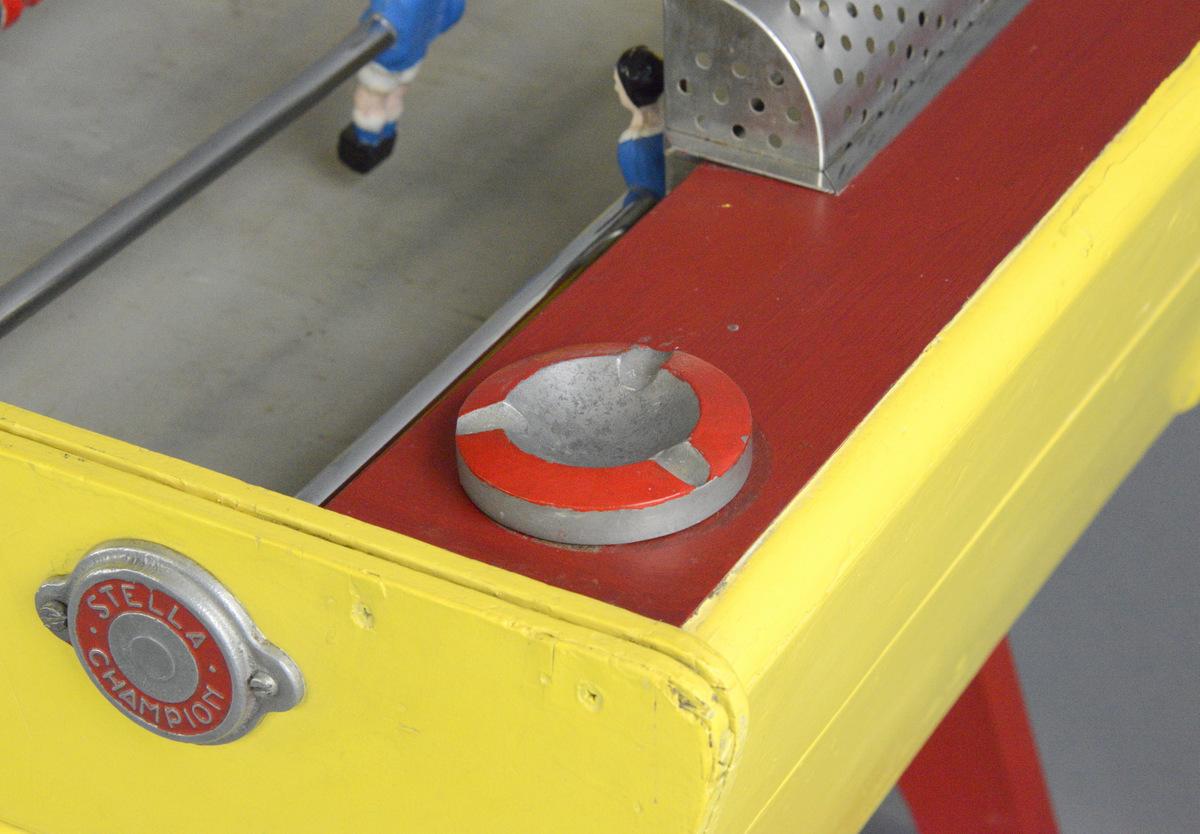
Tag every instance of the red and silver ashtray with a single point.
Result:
(604, 443)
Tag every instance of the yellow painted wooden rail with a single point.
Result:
(934, 525)
(448, 696)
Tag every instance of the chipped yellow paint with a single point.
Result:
(444, 696)
(876, 596)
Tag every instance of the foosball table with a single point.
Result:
(952, 333)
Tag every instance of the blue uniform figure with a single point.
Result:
(417, 24)
(379, 98)
(638, 80)
(643, 162)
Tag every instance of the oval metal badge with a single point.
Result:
(168, 644)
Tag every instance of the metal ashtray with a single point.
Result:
(604, 443)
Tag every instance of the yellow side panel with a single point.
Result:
(431, 706)
(866, 610)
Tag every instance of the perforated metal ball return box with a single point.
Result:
(604, 444)
(810, 90)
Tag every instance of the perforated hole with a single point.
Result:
(758, 105)
(740, 70)
(852, 10)
(820, 40)
(775, 141)
(794, 115)
(704, 60)
(739, 132)
(776, 78)
(824, 8)
(794, 5)
(846, 44)
(683, 86)
(838, 75)
(721, 94)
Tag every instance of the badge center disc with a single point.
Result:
(154, 658)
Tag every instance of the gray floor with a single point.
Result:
(266, 323)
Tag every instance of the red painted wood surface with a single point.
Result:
(814, 304)
(979, 772)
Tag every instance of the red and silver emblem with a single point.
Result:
(167, 644)
(604, 444)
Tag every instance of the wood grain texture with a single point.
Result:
(814, 304)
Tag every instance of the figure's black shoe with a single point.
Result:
(360, 156)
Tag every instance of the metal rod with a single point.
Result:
(124, 222)
(591, 243)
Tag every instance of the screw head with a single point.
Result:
(263, 685)
(53, 615)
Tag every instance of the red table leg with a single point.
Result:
(979, 771)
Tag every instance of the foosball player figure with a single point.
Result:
(638, 79)
(379, 97)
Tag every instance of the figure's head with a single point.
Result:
(639, 74)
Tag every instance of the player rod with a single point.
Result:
(591, 243)
(124, 222)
